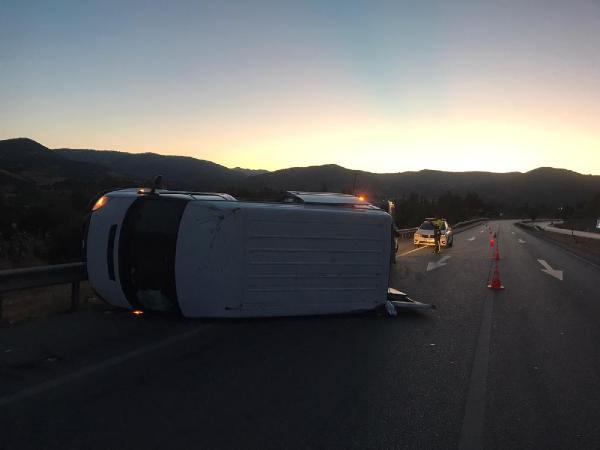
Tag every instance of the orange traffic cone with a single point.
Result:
(497, 255)
(496, 284)
(492, 242)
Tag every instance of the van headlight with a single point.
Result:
(102, 201)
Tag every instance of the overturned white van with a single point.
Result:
(209, 255)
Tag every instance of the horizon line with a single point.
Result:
(299, 167)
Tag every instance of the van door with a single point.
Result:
(147, 249)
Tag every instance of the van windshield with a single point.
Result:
(147, 252)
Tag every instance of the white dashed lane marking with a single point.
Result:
(411, 251)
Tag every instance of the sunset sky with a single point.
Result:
(380, 86)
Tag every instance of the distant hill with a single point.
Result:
(31, 174)
(249, 172)
(33, 162)
(178, 171)
(28, 161)
(548, 186)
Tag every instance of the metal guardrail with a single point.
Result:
(405, 233)
(42, 276)
(469, 223)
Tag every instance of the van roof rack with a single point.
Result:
(220, 195)
(325, 198)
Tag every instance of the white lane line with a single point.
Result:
(521, 241)
(558, 274)
(89, 370)
(471, 239)
(410, 251)
(471, 435)
(436, 264)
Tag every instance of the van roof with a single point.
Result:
(308, 198)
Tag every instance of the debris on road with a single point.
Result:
(400, 300)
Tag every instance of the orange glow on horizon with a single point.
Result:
(371, 143)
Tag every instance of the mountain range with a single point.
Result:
(26, 164)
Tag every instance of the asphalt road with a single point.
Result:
(517, 368)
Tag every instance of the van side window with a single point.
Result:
(147, 252)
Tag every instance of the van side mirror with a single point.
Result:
(156, 184)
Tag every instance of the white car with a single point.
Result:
(209, 255)
(424, 234)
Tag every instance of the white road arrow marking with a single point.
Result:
(521, 241)
(471, 238)
(440, 263)
(558, 274)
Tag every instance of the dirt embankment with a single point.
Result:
(31, 304)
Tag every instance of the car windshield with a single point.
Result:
(426, 226)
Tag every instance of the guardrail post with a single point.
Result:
(75, 296)
(41, 276)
